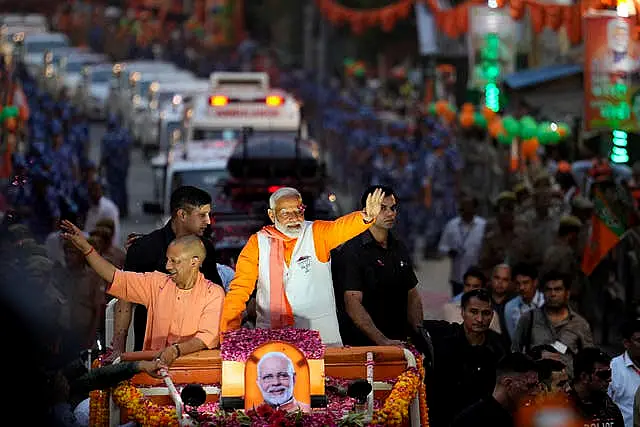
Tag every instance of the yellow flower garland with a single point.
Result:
(142, 410)
(396, 407)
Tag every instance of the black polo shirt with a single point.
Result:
(149, 253)
(384, 276)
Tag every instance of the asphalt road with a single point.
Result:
(432, 275)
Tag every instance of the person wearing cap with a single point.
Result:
(588, 393)
(481, 172)
(383, 162)
(45, 208)
(542, 226)
(502, 236)
(441, 187)
(115, 163)
(582, 208)
(562, 256)
(516, 382)
(625, 371)
(524, 201)
(552, 371)
(464, 358)
(588, 172)
(406, 182)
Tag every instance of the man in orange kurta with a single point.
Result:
(183, 307)
(288, 264)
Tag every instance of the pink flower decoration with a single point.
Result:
(239, 344)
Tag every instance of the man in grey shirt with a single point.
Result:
(555, 323)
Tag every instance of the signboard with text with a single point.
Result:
(611, 74)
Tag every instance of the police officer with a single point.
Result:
(406, 183)
(115, 160)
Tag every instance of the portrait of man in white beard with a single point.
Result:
(276, 381)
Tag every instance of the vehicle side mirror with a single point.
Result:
(152, 208)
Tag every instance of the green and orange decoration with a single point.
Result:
(524, 135)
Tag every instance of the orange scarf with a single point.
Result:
(280, 310)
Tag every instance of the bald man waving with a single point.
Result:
(183, 307)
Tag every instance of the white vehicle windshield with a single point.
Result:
(101, 76)
(235, 134)
(206, 179)
(42, 46)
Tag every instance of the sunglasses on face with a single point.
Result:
(292, 213)
(603, 374)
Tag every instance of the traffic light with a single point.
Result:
(619, 149)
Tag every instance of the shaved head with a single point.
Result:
(190, 246)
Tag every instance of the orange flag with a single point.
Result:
(607, 229)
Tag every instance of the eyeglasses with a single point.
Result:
(292, 213)
(603, 374)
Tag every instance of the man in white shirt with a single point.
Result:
(525, 276)
(102, 207)
(462, 241)
(625, 372)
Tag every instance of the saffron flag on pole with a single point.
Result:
(608, 226)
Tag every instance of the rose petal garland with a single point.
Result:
(238, 345)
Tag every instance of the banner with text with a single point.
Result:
(492, 44)
(611, 74)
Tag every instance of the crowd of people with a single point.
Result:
(522, 315)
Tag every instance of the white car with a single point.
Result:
(122, 73)
(69, 71)
(37, 44)
(91, 96)
(163, 96)
(136, 98)
(66, 71)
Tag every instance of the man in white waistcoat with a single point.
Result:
(288, 264)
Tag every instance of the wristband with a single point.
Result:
(89, 252)
(177, 346)
(364, 218)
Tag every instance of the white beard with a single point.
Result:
(277, 401)
(294, 234)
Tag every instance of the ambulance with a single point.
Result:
(243, 100)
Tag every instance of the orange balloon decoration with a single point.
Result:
(495, 127)
(467, 106)
(11, 124)
(441, 107)
(562, 131)
(488, 113)
(530, 147)
(466, 119)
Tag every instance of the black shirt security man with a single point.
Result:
(374, 274)
(190, 210)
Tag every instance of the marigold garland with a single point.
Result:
(422, 393)
(396, 407)
(141, 409)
